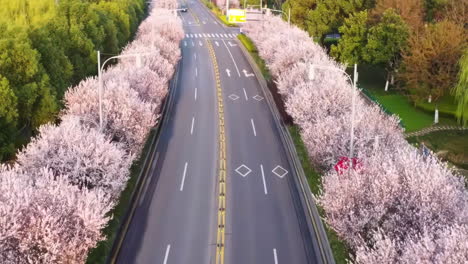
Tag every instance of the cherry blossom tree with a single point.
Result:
(448, 245)
(81, 154)
(394, 194)
(43, 219)
(127, 118)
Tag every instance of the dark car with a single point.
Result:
(183, 8)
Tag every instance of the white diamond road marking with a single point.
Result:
(233, 97)
(258, 98)
(280, 171)
(243, 170)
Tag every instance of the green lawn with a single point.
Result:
(339, 249)
(102, 251)
(373, 80)
(450, 145)
(250, 46)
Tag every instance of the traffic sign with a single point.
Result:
(236, 16)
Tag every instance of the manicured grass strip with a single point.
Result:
(250, 46)
(101, 252)
(339, 249)
(218, 13)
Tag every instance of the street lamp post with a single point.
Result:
(101, 68)
(281, 11)
(354, 87)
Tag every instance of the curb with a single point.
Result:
(307, 199)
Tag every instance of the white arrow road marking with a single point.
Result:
(245, 94)
(190, 23)
(253, 127)
(167, 253)
(243, 170)
(264, 181)
(247, 74)
(196, 71)
(228, 72)
(275, 256)
(232, 45)
(232, 57)
(217, 44)
(183, 177)
(185, 43)
(201, 44)
(193, 44)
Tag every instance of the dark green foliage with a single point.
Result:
(325, 16)
(45, 48)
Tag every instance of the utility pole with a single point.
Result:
(100, 90)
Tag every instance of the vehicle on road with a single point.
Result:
(183, 8)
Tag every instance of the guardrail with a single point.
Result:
(307, 199)
(143, 175)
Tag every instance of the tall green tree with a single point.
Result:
(319, 17)
(354, 38)
(461, 89)
(386, 40)
(19, 64)
(8, 118)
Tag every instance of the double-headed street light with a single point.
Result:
(137, 56)
(354, 87)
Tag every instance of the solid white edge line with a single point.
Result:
(183, 177)
(232, 57)
(193, 123)
(167, 253)
(245, 94)
(196, 93)
(275, 256)
(253, 127)
(264, 181)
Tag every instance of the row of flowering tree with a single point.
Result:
(56, 200)
(392, 205)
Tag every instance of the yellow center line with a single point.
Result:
(220, 236)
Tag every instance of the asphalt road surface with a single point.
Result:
(176, 218)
